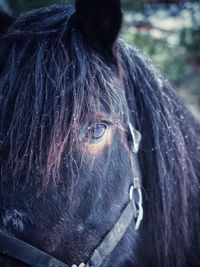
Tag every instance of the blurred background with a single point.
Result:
(167, 31)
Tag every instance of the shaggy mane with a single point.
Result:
(52, 80)
(170, 163)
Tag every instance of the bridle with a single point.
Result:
(132, 213)
(34, 257)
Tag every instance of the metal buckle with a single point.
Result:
(136, 136)
(136, 196)
(81, 265)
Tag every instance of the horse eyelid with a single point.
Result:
(103, 126)
(84, 131)
(106, 122)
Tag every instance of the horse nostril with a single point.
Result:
(13, 218)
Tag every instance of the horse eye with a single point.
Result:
(96, 131)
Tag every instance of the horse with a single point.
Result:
(99, 158)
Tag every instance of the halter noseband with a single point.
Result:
(34, 257)
(133, 211)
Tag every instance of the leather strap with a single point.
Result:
(114, 236)
(34, 257)
(26, 253)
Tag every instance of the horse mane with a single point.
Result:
(169, 159)
(52, 80)
(36, 86)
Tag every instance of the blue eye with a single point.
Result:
(96, 131)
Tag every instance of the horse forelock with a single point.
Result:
(53, 80)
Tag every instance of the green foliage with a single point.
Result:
(170, 59)
(179, 62)
(133, 5)
(190, 39)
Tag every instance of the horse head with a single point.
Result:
(73, 102)
(68, 146)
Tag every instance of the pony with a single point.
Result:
(83, 117)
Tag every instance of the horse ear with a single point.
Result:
(5, 21)
(100, 22)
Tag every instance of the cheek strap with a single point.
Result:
(135, 190)
(133, 212)
(130, 214)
